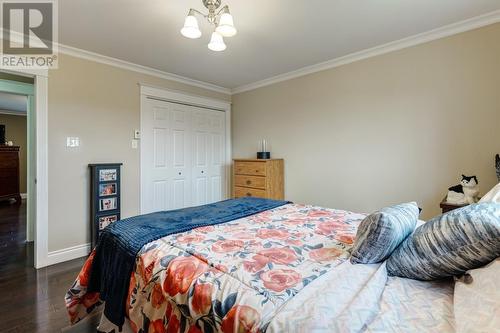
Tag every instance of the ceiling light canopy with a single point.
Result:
(222, 21)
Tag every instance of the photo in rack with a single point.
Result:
(107, 189)
(108, 204)
(107, 175)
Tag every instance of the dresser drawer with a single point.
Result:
(9, 161)
(9, 182)
(250, 181)
(248, 192)
(250, 168)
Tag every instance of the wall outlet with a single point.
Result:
(134, 144)
(137, 134)
(72, 142)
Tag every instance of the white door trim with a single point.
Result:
(42, 175)
(185, 98)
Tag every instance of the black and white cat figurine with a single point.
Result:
(465, 193)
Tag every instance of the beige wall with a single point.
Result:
(16, 131)
(397, 127)
(99, 104)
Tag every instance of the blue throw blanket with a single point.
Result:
(119, 244)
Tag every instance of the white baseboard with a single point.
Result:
(68, 253)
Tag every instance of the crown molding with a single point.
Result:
(88, 55)
(18, 37)
(445, 31)
(442, 32)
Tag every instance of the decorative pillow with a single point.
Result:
(493, 195)
(449, 244)
(381, 232)
(476, 300)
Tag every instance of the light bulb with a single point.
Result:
(216, 42)
(191, 29)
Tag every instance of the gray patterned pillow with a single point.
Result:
(381, 232)
(450, 244)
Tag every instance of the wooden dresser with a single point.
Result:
(258, 178)
(9, 173)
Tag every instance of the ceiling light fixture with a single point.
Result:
(216, 42)
(222, 20)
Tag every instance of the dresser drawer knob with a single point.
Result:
(249, 182)
(249, 194)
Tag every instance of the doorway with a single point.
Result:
(17, 170)
(38, 192)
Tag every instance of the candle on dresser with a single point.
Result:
(263, 152)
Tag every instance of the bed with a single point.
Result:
(284, 269)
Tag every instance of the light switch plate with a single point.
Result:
(137, 134)
(72, 141)
(134, 144)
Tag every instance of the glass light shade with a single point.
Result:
(216, 42)
(226, 26)
(191, 29)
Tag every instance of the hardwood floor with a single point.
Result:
(30, 300)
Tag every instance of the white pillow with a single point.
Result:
(477, 303)
(493, 195)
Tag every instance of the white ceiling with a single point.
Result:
(274, 36)
(13, 103)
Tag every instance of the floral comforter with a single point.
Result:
(231, 277)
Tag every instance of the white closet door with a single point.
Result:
(182, 156)
(201, 146)
(209, 149)
(217, 154)
(165, 155)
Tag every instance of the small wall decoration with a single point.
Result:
(107, 220)
(107, 189)
(104, 197)
(107, 175)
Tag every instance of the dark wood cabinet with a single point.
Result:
(9, 173)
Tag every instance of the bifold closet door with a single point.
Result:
(209, 150)
(165, 156)
(182, 156)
